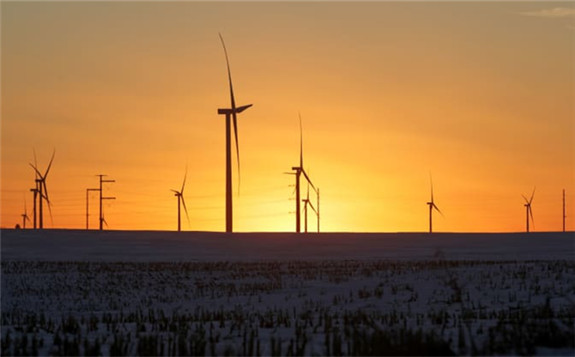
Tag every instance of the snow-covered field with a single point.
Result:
(168, 293)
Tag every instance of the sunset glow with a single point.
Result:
(480, 95)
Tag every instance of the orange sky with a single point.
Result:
(479, 94)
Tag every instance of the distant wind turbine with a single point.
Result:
(299, 170)
(231, 115)
(306, 202)
(180, 195)
(528, 210)
(25, 216)
(432, 206)
(42, 189)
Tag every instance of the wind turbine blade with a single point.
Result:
(308, 180)
(50, 164)
(50, 211)
(176, 192)
(531, 213)
(229, 73)
(38, 174)
(233, 102)
(184, 183)
(237, 147)
(45, 190)
(104, 221)
(525, 198)
(437, 208)
(289, 173)
(311, 205)
(532, 195)
(35, 162)
(185, 209)
(431, 183)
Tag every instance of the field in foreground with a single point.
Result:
(91, 293)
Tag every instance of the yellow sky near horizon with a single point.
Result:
(479, 94)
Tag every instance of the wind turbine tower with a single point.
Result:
(528, 210)
(35, 191)
(432, 206)
(231, 114)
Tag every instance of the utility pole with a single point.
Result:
(318, 209)
(564, 216)
(101, 220)
(87, 204)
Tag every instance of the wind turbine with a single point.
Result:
(299, 170)
(180, 195)
(231, 114)
(432, 206)
(25, 216)
(42, 189)
(306, 202)
(528, 210)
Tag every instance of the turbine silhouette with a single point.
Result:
(25, 216)
(299, 170)
(528, 209)
(432, 206)
(180, 195)
(231, 115)
(306, 202)
(42, 189)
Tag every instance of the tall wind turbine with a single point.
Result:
(528, 210)
(432, 206)
(42, 189)
(231, 115)
(299, 170)
(180, 195)
(25, 216)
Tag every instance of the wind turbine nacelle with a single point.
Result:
(229, 111)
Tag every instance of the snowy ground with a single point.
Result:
(64, 245)
(162, 293)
